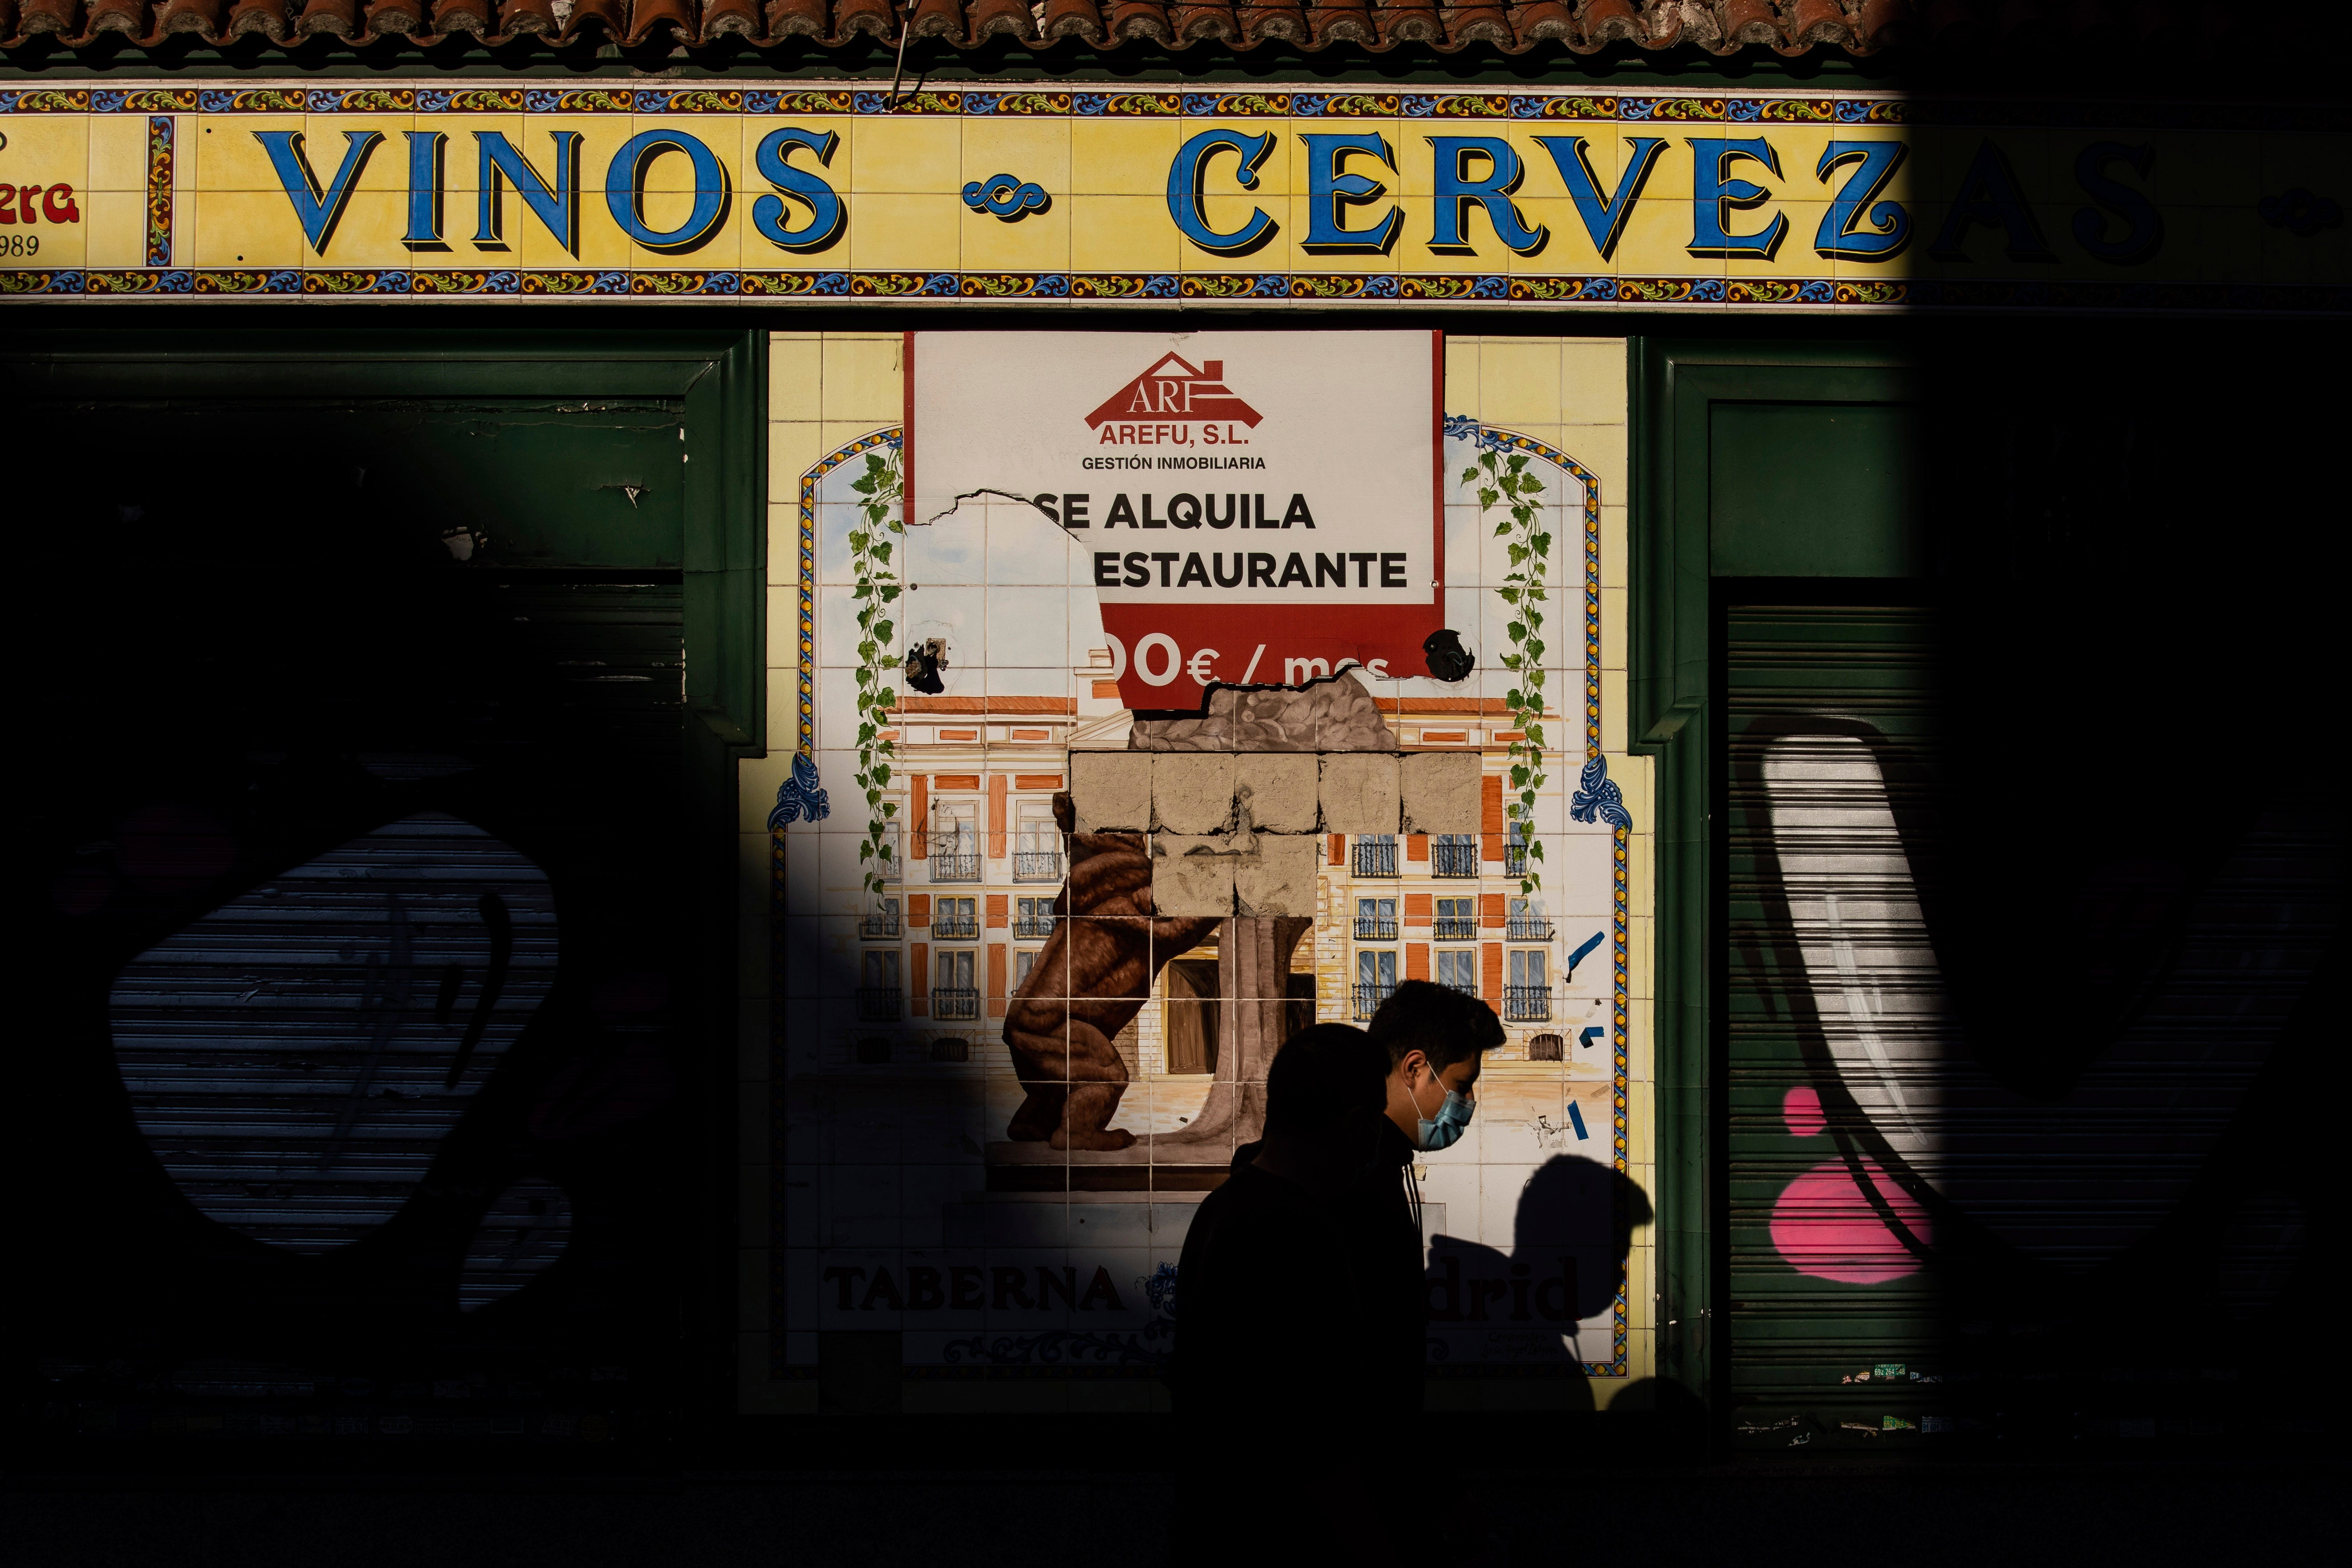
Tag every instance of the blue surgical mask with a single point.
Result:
(1445, 1129)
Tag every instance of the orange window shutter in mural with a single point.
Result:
(1416, 846)
(1416, 960)
(918, 817)
(1490, 910)
(919, 908)
(1490, 972)
(1000, 910)
(1417, 908)
(995, 827)
(921, 1001)
(1490, 817)
(1338, 849)
(995, 979)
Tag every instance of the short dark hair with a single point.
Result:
(1320, 1075)
(1444, 1024)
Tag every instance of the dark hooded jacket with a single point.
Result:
(1290, 1300)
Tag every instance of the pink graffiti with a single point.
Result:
(1826, 1224)
(1800, 1107)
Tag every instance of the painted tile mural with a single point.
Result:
(913, 975)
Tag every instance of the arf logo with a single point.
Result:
(1173, 389)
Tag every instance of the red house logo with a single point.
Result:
(1173, 389)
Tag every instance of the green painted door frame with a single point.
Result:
(718, 379)
(1757, 460)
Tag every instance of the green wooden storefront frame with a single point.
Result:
(720, 377)
(1686, 549)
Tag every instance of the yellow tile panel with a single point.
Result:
(1035, 242)
(865, 384)
(1124, 157)
(243, 228)
(219, 153)
(1033, 150)
(796, 372)
(1593, 380)
(907, 233)
(1122, 234)
(910, 156)
(112, 231)
(1518, 382)
(118, 153)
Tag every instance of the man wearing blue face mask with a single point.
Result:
(1433, 1037)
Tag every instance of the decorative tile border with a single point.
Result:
(159, 189)
(1146, 289)
(1532, 104)
(1621, 891)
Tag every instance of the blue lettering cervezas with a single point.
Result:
(1989, 195)
(2142, 224)
(317, 211)
(624, 190)
(1604, 217)
(1858, 226)
(1187, 189)
(1454, 193)
(1716, 193)
(1329, 192)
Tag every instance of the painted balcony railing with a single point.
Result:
(1527, 928)
(955, 868)
(1369, 999)
(1033, 927)
(1037, 865)
(1456, 928)
(877, 1004)
(947, 928)
(1527, 1004)
(873, 927)
(955, 1002)
(1453, 857)
(1376, 858)
(1514, 860)
(1373, 928)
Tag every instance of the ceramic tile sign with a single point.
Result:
(1087, 197)
(1249, 508)
(1012, 1053)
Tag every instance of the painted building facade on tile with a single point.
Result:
(764, 683)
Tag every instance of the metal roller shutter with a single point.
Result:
(1925, 1235)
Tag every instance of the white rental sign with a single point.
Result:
(1250, 508)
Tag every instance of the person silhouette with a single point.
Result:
(1570, 1237)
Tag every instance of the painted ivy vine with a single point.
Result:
(1504, 481)
(873, 543)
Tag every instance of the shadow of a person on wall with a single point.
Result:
(1544, 1307)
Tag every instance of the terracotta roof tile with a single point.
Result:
(1511, 27)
